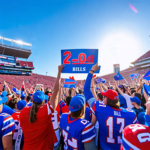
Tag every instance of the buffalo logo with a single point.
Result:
(116, 97)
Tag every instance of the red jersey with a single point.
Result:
(136, 137)
(16, 117)
(39, 135)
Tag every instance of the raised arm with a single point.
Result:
(93, 89)
(87, 91)
(119, 90)
(54, 100)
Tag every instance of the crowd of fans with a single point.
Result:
(90, 117)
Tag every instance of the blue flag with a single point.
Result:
(147, 76)
(99, 80)
(147, 89)
(118, 76)
(134, 75)
(69, 83)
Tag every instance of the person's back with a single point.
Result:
(38, 134)
(76, 132)
(111, 123)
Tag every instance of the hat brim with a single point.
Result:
(103, 93)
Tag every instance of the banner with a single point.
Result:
(79, 60)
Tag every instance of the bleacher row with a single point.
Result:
(49, 81)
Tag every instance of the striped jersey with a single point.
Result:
(76, 132)
(7, 125)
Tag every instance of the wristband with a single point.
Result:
(92, 71)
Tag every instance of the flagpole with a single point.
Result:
(126, 81)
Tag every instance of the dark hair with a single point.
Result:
(68, 99)
(33, 112)
(78, 114)
(138, 95)
(123, 87)
(113, 103)
(12, 103)
(28, 98)
(80, 91)
(133, 91)
(100, 96)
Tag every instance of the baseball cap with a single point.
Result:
(77, 103)
(136, 99)
(38, 96)
(3, 99)
(111, 94)
(46, 97)
(121, 86)
(23, 96)
(21, 104)
(4, 93)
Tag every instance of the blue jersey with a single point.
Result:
(7, 125)
(144, 119)
(76, 132)
(88, 114)
(111, 124)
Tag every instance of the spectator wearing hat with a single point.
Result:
(7, 125)
(136, 102)
(18, 139)
(75, 128)
(111, 118)
(4, 108)
(122, 91)
(36, 120)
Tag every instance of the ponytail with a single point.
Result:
(33, 112)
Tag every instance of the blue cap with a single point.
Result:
(136, 99)
(18, 92)
(3, 99)
(23, 96)
(77, 103)
(14, 89)
(4, 93)
(46, 97)
(21, 104)
(38, 96)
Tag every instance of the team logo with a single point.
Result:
(116, 97)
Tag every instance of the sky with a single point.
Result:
(120, 34)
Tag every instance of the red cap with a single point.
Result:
(49, 94)
(111, 94)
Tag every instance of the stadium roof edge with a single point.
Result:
(142, 58)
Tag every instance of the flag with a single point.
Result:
(118, 76)
(23, 86)
(147, 76)
(94, 76)
(99, 80)
(69, 83)
(72, 78)
(134, 75)
(147, 89)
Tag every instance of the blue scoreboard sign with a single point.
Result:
(79, 60)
